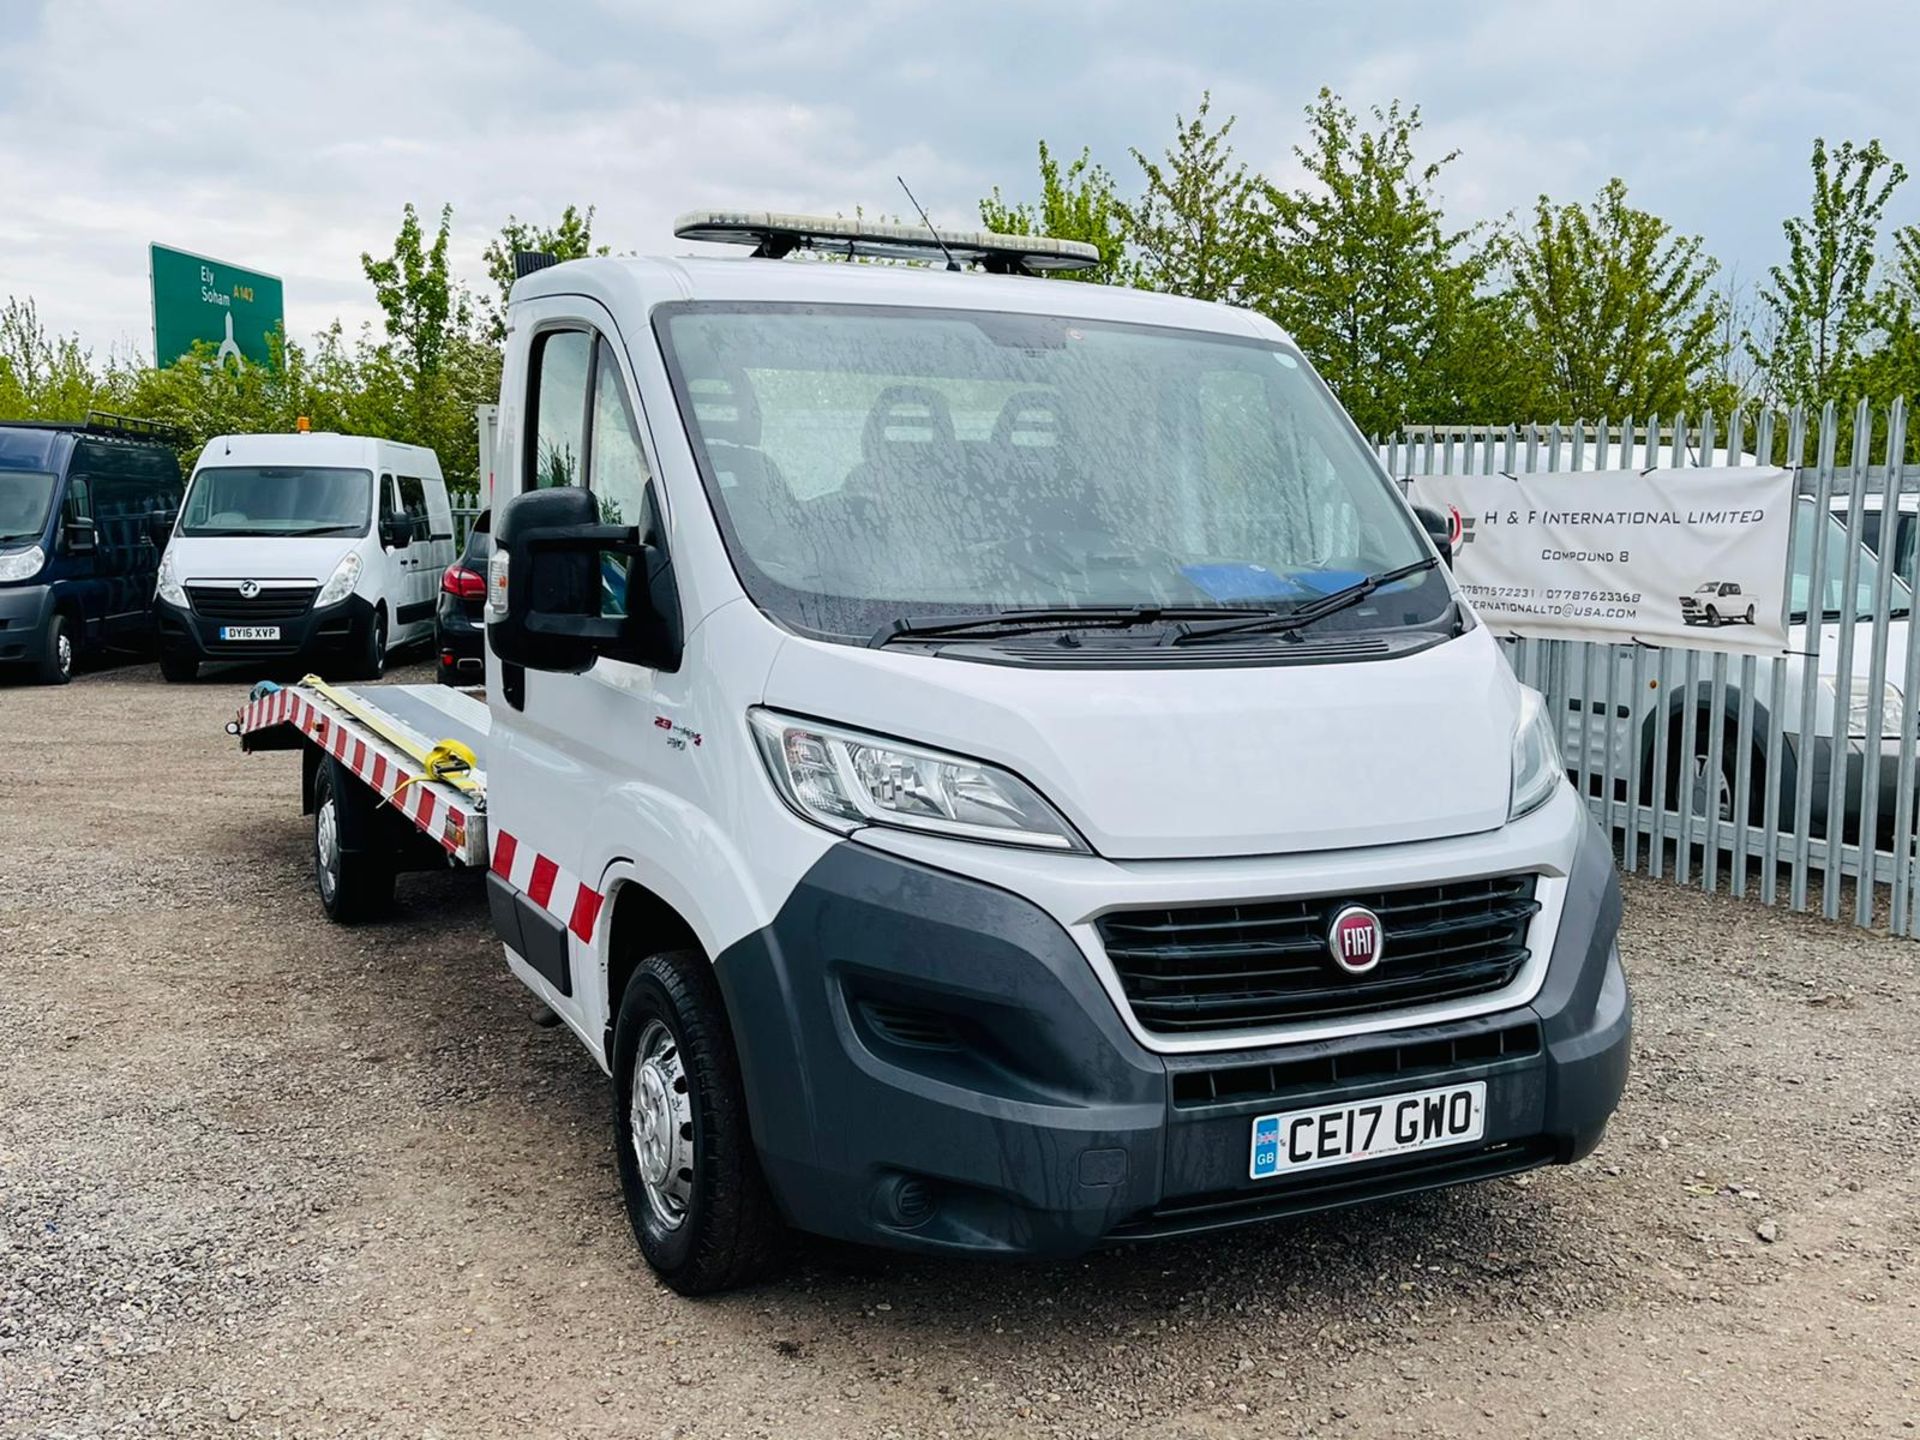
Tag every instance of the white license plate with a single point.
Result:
(1297, 1140)
(249, 632)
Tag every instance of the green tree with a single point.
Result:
(571, 239)
(1382, 296)
(1821, 306)
(437, 362)
(42, 376)
(425, 308)
(1076, 203)
(1891, 368)
(1201, 225)
(1617, 305)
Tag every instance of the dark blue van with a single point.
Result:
(85, 510)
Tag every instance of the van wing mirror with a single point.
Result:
(1439, 528)
(81, 536)
(396, 532)
(560, 579)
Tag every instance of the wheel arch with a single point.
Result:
(639, 921)
(1670, 712)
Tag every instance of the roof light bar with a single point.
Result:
(774, 234)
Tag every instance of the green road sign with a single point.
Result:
(195, 298)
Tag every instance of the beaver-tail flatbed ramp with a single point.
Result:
(420, 748)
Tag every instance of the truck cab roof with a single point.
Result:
(637, 284)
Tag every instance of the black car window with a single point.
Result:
(479, 542)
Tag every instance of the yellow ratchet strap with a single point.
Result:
(449, 762)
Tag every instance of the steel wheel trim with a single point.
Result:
(326, 844)
(63, 653)
(1711, 788)
(660, 1119)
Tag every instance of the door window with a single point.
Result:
(413, 504)
(388, 507)
(79, 502)
(585, 427)
(558, 453)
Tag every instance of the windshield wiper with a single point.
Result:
(1002, 623)
(1285, 622)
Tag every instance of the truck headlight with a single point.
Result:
(168, 586)
(340, 584)
(22, 564)
(844, 779)
(1537, 769)
(1861, 713)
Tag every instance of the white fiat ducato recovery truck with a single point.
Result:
(987, 766)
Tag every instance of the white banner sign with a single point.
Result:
(1694, 558)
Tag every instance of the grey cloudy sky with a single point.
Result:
(287, 137)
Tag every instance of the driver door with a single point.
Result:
(576, 754)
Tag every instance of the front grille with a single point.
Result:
(274, 602)
(1401, 1060)
(1230, 967)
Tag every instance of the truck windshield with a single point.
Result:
(25, 497)
(278, 500)
(871, 465)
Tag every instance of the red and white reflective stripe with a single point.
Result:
(439, 810)
(545, 882)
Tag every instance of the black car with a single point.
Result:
(459, 631)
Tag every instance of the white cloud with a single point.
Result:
(288, 137)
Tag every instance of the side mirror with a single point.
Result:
(396, 532)
(559, 580)
(160, 527)
(81, 537)
(1439, 530)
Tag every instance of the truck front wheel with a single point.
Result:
(694, 1192)
(354, 885)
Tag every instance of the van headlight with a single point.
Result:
(844, 779)
(1861, 712)
(1537, 770)
(22, 564)
(340, 584)
(168, 586)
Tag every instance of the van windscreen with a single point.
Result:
(25, 496)
(278, 500)
(870, 463)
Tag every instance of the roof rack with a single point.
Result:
(105, 422)
(774, 234)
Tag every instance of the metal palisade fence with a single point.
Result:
(466, 510)
(1725, 770)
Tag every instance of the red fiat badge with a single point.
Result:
(1355, 940)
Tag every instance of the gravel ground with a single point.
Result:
(262, 1176)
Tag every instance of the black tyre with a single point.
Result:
(371, 663)
(1713, 615)
(57, 653)
(1750, 612)
(179, 669)
(355, 885)
(698, 1202)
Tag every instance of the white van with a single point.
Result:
(988, 767)
(304, 549)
